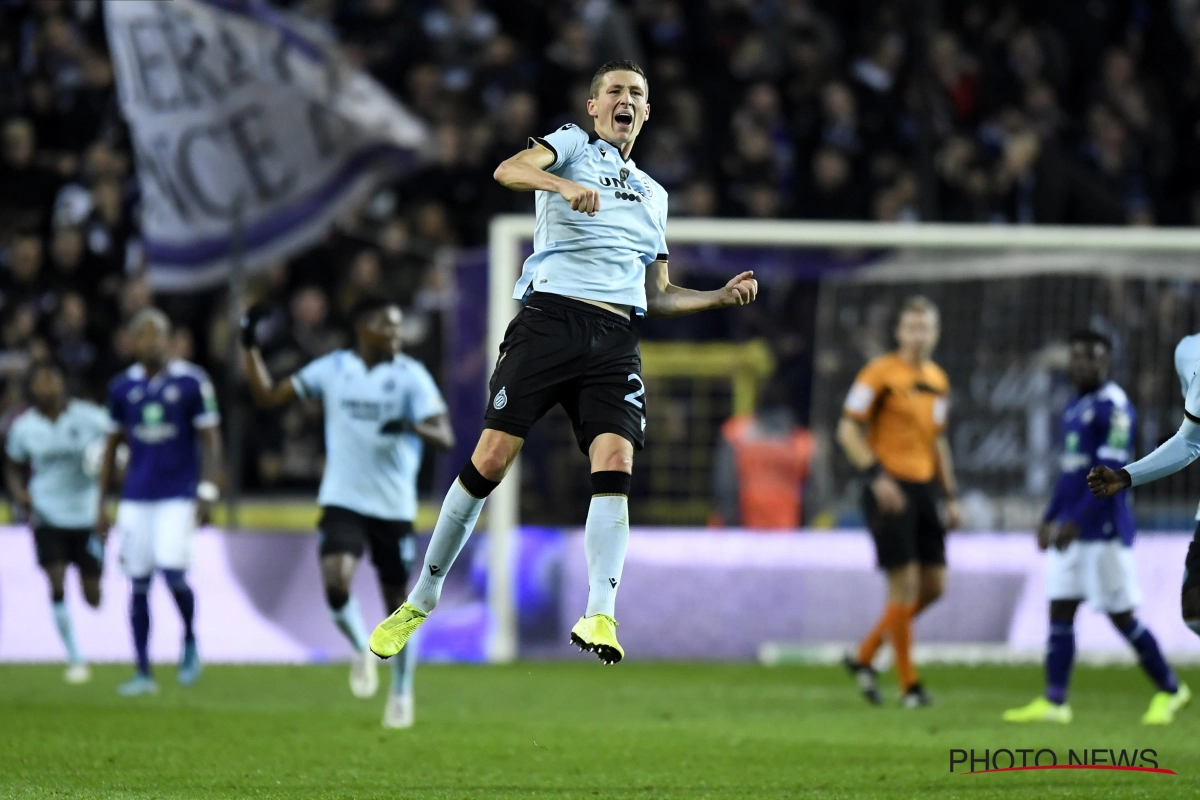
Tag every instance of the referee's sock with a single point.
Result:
(456, 520)
(605, 538)
(900, 633)
(1151, 656)
(869, 646)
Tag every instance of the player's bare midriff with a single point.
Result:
(619, 310)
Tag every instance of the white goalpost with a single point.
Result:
(508, 234)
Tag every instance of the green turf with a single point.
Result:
(566, 730)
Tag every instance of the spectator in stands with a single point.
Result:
(26, 187)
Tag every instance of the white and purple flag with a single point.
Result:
(235, 104)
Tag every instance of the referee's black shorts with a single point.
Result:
(393, 546)
(560, 350)
(914, 535)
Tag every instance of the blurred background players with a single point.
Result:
(1090, 540)
(47, 475)
(167, 411)
(892, 431)
(381, 407)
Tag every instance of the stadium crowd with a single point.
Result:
(1012, 112)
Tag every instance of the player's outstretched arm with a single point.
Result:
(664, 299)
(1168, 458)
(264, 390)
(1171, 456)
(526, 172)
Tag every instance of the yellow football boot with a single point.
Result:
(598, 634)
(1164, 705)
(1040, 710)
(389, 636)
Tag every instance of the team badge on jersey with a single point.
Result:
(501, 399)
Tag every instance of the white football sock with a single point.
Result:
(605, 537)
(460, 511)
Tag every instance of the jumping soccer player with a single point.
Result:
(167, 411)
(892, 431)
(381, 407)
(48, 481)
(600, 258)
(1171, 456)
(1090, 541)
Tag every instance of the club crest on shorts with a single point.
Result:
(501, 399)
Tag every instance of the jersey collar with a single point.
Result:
(594, 137)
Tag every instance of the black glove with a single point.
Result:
(256, 314)
(397, 426)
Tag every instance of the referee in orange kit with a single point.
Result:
(892, 430)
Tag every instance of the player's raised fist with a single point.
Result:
(583, 199)
(741, 290)
(1105, 481)
(249, 324)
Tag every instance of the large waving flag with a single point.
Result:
(237, 108)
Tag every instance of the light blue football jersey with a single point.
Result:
(1187, 366)
(602, 257)
(1187, 363)
(367, 470)
(63, 495)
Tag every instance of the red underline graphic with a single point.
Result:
(1077, 766)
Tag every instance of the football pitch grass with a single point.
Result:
(570, 730)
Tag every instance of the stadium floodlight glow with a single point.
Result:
(1068, 249)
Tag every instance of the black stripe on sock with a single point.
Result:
(476, 485)
(611, 482)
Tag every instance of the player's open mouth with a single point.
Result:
(623, 118)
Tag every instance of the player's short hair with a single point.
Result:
(1088, 336)
(42, 365)
(919, 304)
(368, 305)
(621, 65)
(153, 315)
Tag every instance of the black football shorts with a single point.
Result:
(393, 546)
(915, 534)
(560, 350)
(76, 546)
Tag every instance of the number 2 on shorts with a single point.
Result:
(633, 396)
